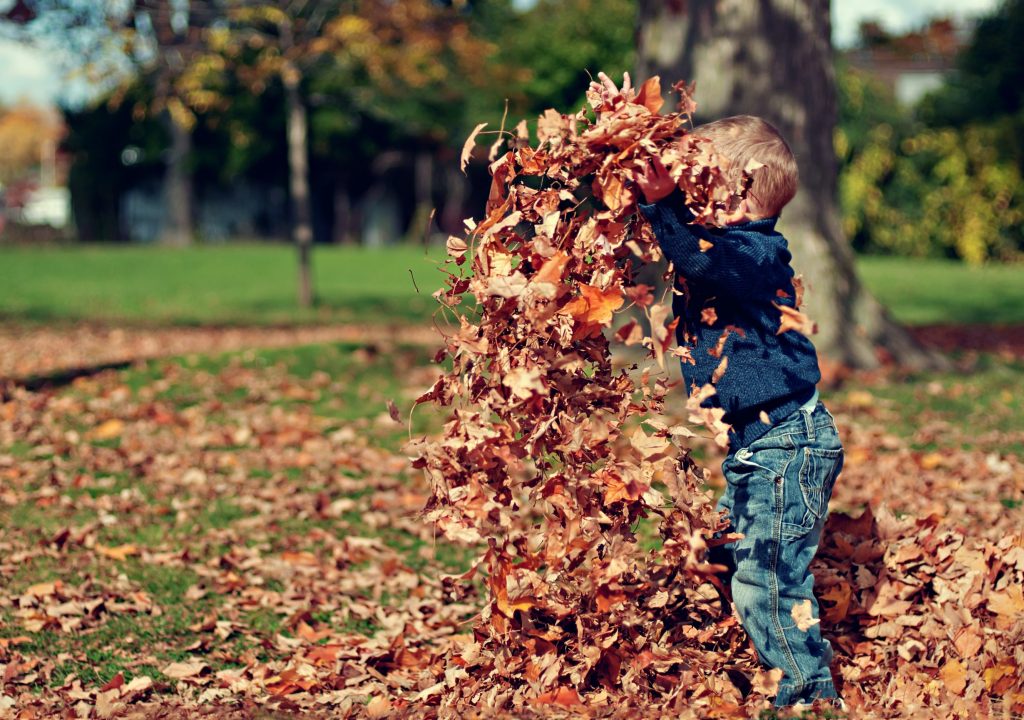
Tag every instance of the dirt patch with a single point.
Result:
(40, 352)
(1006, 340)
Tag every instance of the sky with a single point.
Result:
(25, 73)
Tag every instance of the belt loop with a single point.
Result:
(808, 422)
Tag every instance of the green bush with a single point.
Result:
(907, 189)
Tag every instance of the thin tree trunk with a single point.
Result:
(773, 58)
(342, 230)
(455, 186)
(424, 191)
(298, 170)
(178, 227)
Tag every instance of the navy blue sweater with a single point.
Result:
(744, 271)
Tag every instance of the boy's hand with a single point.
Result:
(603, 96)
(654, 181)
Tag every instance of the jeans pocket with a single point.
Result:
(818, 475)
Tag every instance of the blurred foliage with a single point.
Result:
(25, 131)
(943, 179)
(559, 44)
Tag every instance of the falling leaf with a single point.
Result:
(720, 370)
(552, 269)
(793, 319)
(803, 615)
(467, 147)
(594, 306)
(393, 411)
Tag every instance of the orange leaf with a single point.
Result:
(793, 319)
(564, 696)
(120, 552)
(594, 306)
(305, 558)
(552, 269)
(108, 430)
(954, 674)
(650, 94)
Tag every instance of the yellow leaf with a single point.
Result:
(954, 675)
(108, 430)
(119, 552)
(1010, 602)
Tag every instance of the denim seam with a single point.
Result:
(780, 504)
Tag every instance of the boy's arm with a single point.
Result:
(736, 265)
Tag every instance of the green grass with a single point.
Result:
(250, 284)
(979, 408)
(925, 292)
(255, 284)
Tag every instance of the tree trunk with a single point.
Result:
(342, 230)
(773, 58)
(298, 176)
(419, 226)
(178, 228)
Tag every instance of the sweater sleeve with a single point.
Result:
(733, 262)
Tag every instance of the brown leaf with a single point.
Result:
(393, 411)
(467, 147)
(185, 670)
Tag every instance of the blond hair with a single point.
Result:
(742, 138)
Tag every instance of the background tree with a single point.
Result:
(118, 45)
(774, 59)
(386, 56)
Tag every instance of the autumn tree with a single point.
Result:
(28, 138)
(774, 59)
(390, 54)
(156, 43)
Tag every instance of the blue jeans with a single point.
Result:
(777, 493)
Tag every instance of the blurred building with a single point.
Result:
(912, 64)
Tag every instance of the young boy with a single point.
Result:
(784, 453)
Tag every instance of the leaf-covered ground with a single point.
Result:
(238, 534)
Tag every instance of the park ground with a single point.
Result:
(204, 500)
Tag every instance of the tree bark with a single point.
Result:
(773, 58)
(298, 177)
(178, 229)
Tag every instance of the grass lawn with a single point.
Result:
(256, 284)
(214, 285)
(927, 292)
